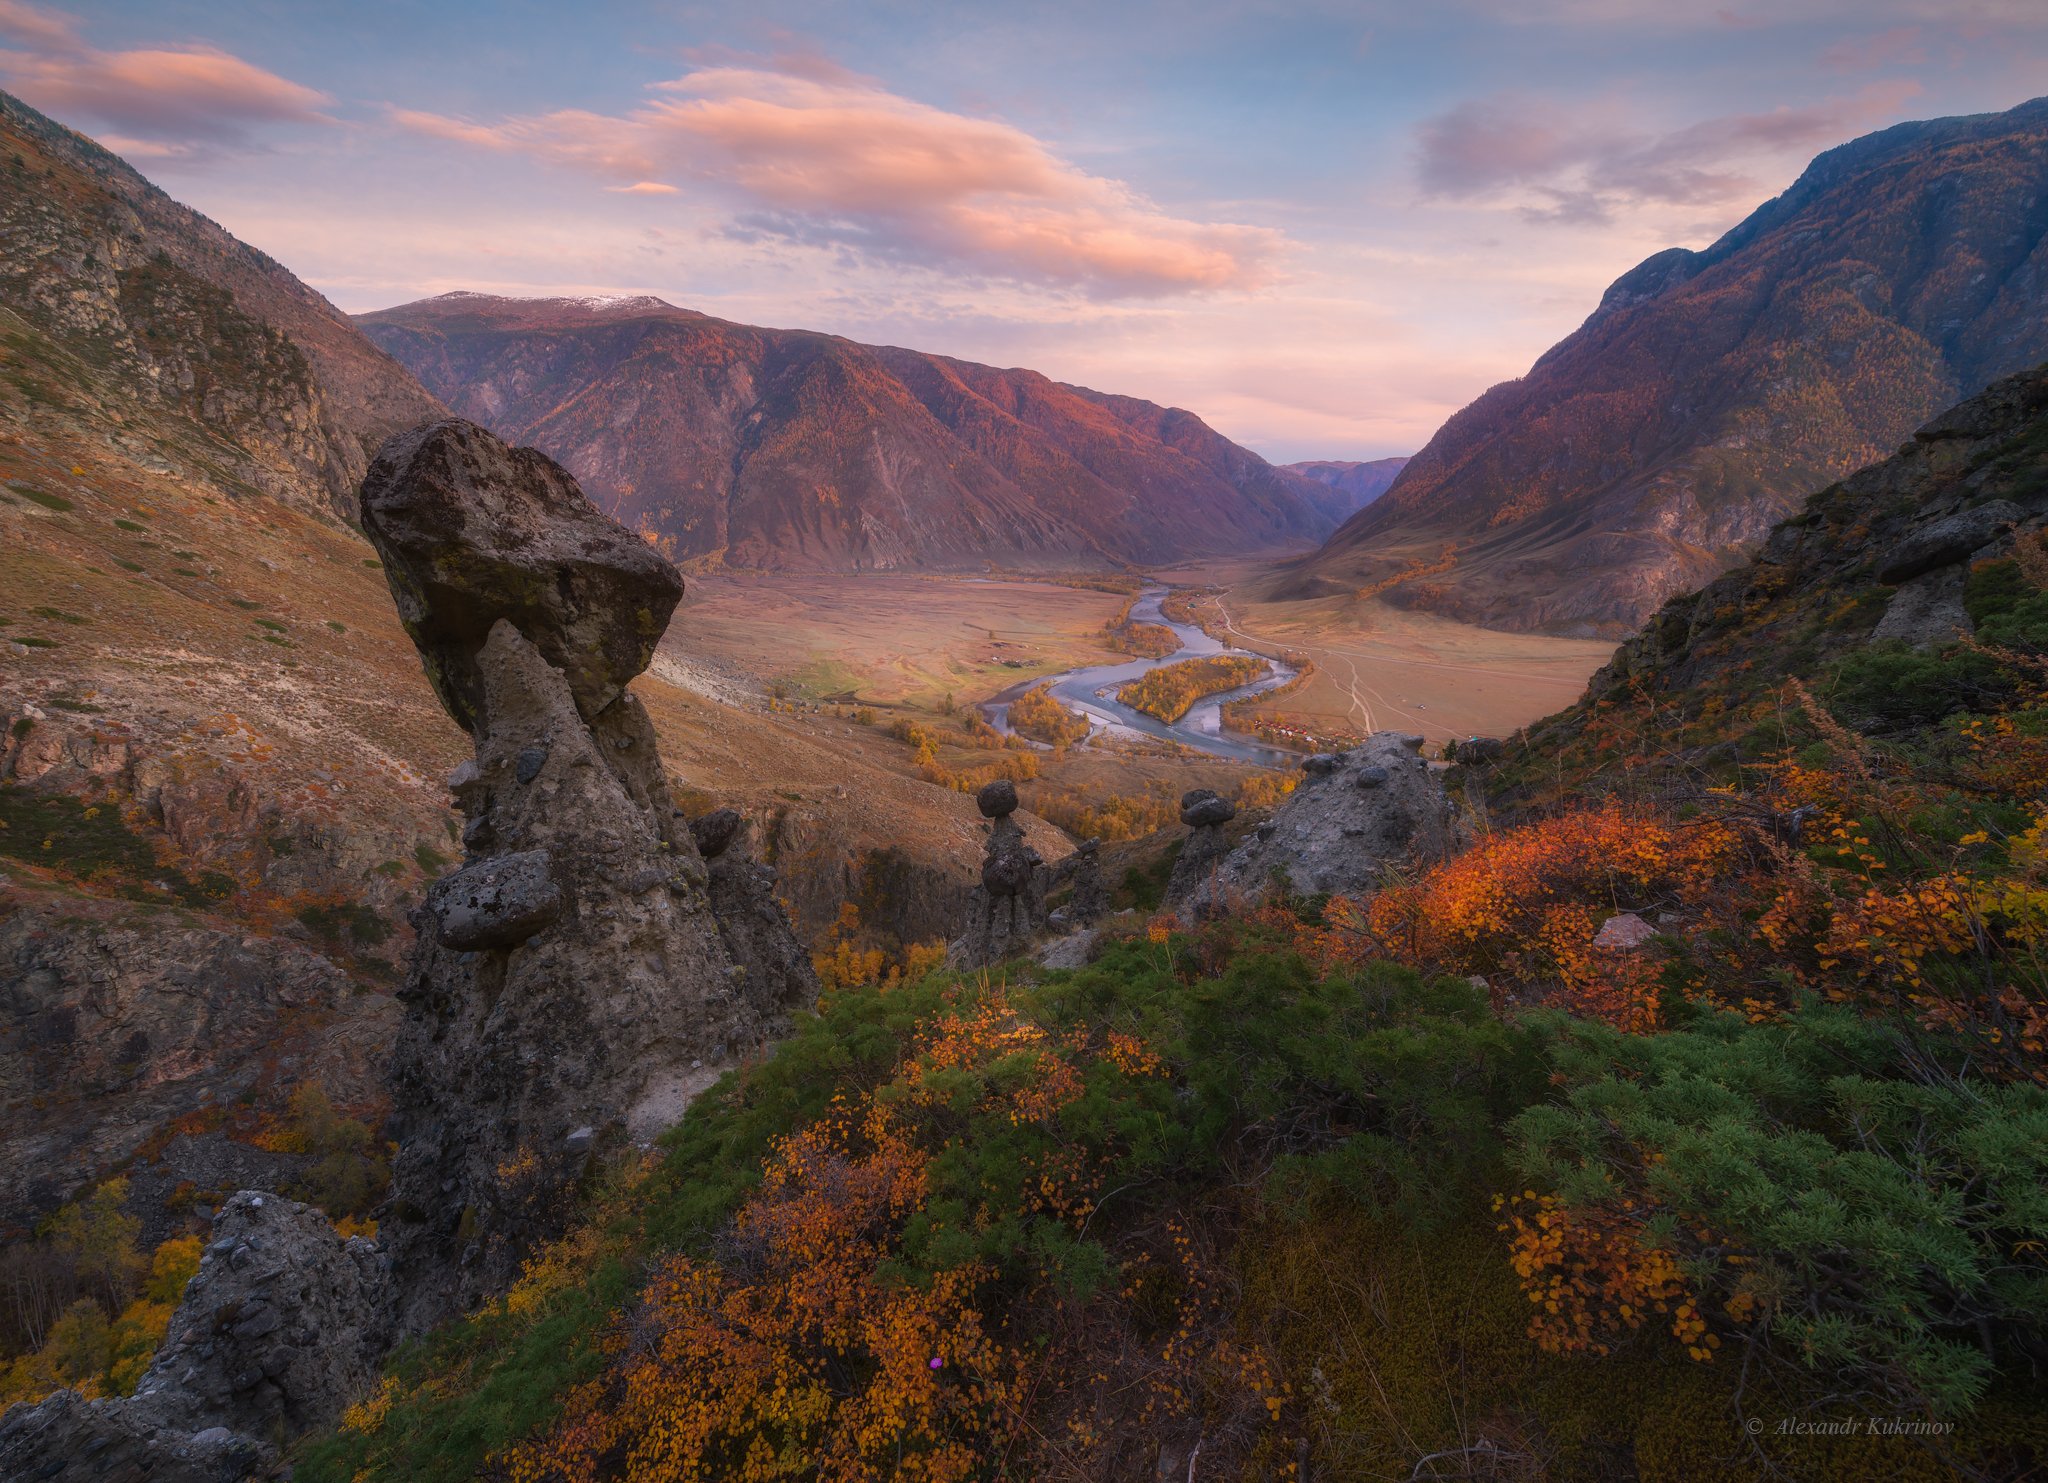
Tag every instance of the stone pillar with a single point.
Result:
(1205, 813)
(1006, 912)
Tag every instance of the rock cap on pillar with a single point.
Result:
(472, 531)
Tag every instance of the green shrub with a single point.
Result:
(1876, 1214)
(1890, 688)
(345, 922)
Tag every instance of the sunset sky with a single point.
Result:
(1323, 227)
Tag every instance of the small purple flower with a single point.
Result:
(937, 1363)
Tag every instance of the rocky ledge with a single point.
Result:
(1354, 816)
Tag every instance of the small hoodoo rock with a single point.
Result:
(774, 967)
(1006, 912)
(1205, 813)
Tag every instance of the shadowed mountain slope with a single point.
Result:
(1656, 445)
(789, 449)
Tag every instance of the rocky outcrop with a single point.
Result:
(280, 1330)
(570, 980)
(115, 1021)
(1926, 611)
(1947, 540)
(1005, 913)
(774, 967)
(1353, 817)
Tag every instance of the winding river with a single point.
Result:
(1092, 693)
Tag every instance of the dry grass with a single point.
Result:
(892, 639)
(1383, 669)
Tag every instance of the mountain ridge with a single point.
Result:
(799, 450)
(1362, 481)
(147, 249)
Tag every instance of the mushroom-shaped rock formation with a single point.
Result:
(1205, 814)
(1006, 912)
(571, 980)
(472, 532)
(773, 967)
(1088, 902)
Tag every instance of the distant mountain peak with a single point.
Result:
(538, 307)
(1359, 482)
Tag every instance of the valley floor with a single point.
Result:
(1379, 668)
(893, 640)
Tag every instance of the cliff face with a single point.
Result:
(786, 449)
(210, 786)
(1658, 444)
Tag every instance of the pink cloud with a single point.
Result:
(34, 26)
(169, 97)
(826, 157)
(1900, 46)
(1581, 166)
(642, 188)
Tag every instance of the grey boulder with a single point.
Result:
(495, 903)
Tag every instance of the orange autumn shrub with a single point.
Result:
(861, 1316)
(1522, 908)
(849, 958)
(1592, 1274)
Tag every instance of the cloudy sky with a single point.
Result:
(1323, 226)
